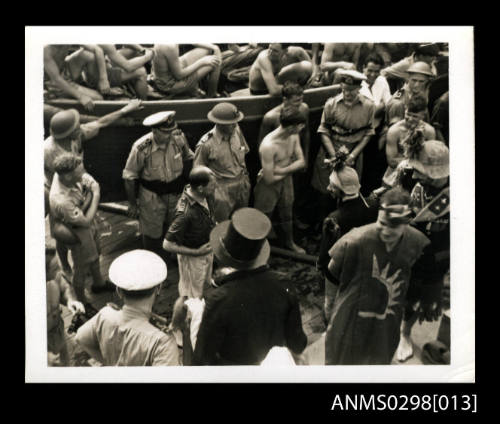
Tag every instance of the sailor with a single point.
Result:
(124, 337)
(347, 120)
(159, 163)
(223, 150)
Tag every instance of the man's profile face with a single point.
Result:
(275, 51)
(417, 83)
(388, 231)
(371, 71)
(295, 100)
(350, 92)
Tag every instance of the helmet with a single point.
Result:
(420, 68)
(225, 113)
(432, 160)
(346, 179)
(64, 123)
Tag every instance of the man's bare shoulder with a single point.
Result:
(268, 143)
(273, 114)
(397, 128)
(166, 48)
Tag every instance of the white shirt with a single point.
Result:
(378, 93)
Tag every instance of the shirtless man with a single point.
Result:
(172, 74)
(122, 67)
(276, 65)
(281, 155)
(60, 80)
(339, 56)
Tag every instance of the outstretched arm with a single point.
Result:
(134, 104)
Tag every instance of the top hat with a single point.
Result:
(225, 113)
(241, 241)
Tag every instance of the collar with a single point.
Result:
(133, 312)
(156, 146)
(243, 272)
(190, 198)
(219, 136)
(358, 100)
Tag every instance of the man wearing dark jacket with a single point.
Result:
(252, 310)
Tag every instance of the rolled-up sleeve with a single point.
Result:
(134, 165)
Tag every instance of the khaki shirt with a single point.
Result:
(149, 161)
(358, 115)
(226, 158)
(126, 338)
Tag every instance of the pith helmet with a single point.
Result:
(432, 160)
(420, 68)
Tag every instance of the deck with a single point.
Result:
(120, 234)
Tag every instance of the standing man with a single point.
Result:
(410, 130)
(223, 150)
(74, 197)
(159, 164)
(281, 156)
(124, 337)
(253, 310)
(347, 120)
(67, 134)
(189, 233)
(173, 75)
(275, 65)
(292, 96)
(430, 202)
(417, 83)
(371, 266)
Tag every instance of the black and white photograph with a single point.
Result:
(250, 204)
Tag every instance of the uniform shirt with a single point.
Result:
(192, 223)
(149, 161)
(379, 93)
(66, 202)
(398, 69)
(225, 158)
(251, 312)
(358, 115)
(52, 148)
(126, 338)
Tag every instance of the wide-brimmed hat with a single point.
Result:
(432, 160)
(225, 113)
(346, 179)
(241, 241)
(63, 123)
(164, 119)
(138, 270)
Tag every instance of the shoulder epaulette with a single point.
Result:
(179, 138)
(207, 136)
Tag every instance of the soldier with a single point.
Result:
(159, 163)
(223, 150)
(430, 202)
(347, 120)
(125, 337)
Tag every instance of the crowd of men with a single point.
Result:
(383, 257)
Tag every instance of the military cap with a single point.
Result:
(420, 68)
(346, 179)
(351, 77)
(165, 120)
(138, 270)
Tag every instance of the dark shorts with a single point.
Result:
(115, 77)
(170, 85)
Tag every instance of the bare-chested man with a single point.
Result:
(276, 65)
(339, 56)
(121, 68)
(62, 81)
(173, 75)
(281, 155)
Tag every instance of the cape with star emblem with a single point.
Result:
(368, 309)
(433, 210)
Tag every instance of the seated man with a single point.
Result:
(119, 69)
(276, 65)
(338, 56)
(281, 156)
(174, 75)
(60, 81)
(124, 337)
